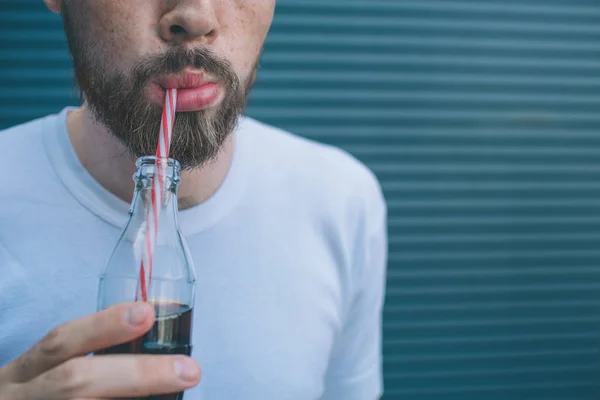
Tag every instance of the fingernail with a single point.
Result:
(186, 369)
(136, 315)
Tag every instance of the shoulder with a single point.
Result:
(23, 131)
(23, 141)
(310, 161)
(25, 168)
(331, 183)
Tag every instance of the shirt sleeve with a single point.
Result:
(355, 368)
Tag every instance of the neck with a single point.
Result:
(107, 160)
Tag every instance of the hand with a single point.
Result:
(57, 368)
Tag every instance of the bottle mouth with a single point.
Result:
(147, 168)
(153, 160)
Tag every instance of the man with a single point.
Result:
(288, 236)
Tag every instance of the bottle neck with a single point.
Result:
(149, 247)
(156, 183)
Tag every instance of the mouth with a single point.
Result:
(195, 91)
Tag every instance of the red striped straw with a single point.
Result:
(152, 218)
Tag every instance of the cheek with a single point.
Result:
(245, 30)
(116, 30)
(257, 16)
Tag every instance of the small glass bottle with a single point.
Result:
(172, 284)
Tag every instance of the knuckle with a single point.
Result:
(155, 369)
(20, 369)
(69, 377)
(53, 344)
(11, 392)
(147, 368)
(3, 375)
(96, 327)
(104, 323)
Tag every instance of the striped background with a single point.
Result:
(480, 119)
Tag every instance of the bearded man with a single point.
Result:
(288, 235)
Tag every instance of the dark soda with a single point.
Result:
(170, 334)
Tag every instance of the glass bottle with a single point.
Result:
(172, 284)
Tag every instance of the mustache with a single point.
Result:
(175, 59)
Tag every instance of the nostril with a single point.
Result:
(177, 29)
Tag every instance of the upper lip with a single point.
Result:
(185, 80)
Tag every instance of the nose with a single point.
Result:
(190, 21)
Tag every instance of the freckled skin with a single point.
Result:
(121, 47)
(125, 30)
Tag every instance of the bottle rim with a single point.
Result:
(152, 160)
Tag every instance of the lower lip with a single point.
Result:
(190, 99)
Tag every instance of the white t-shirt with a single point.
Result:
(290, 258)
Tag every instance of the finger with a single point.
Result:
(116, 376)
(115, 325)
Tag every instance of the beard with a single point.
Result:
(117, 100)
